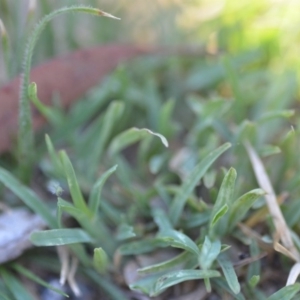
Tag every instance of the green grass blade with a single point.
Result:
(254, 280)
(178, 240)
(161, 219)
(241, 206)
(36, 279)
(125, 232)
(219, 214)
(229, 273)
(94, 199)
(166, 265)
(286, 293)
(140, 247)
(224, 198)
(145, 284)
(54, 117)
(65, 206)
(176, 277)
(101, 260)
(28, 197)
(131, 136)
(111, 117)
(74, 188)
(58, 237)
(209, 252)
(165, 124)
(53, 156)
(15, 286)
(192, 181)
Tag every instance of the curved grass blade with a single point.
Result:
(176, 277)
(180, 259)
(286, 293)
(177, 239)
(25, 134)
(241, 206)
(28, 197)
(131, 136)
(58, 237)
(124, 232)
(190, 183)
(65, 206)
(53, 115)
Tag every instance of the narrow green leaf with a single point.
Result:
(72, 183)
(209, 252)
(111, 117)
(176, 277)
(36, 279)
(241, 206)
(268, 150)
(65, 206)
(145, 284)
(161, 219)
(165, 124)
(254, 269)
(221, 285)
(178, 239)
(225, 197)
(219, 214)
(28, 197)
(254, 280)
(131, 136)
(53, 155)
(94, 199)
(140, 247)
(124, 232)
(276, 114)
(197, 220)
(286, 293)
(178, 260)
(229, 273)
(54, 116)
(15, 286)
(191, 182)
(58, 237)
(101, 260)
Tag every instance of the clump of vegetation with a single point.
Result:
(188, 183)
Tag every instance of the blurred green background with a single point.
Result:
(232, 26)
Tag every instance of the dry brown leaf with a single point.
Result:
(282, 230)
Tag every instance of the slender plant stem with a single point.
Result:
(26, 137)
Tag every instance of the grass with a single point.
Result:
(194, 164)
